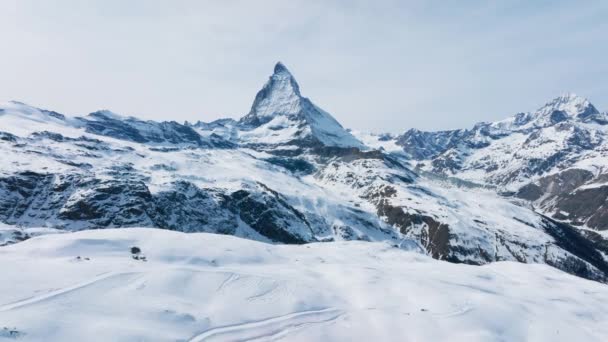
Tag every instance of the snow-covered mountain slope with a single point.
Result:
(88, 286)
(20, 119)
(556, 157)
(459, 224)
(105, 170)
(89, 181)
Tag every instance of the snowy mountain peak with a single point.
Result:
(279, 96)
(22, 119)
(280, 68)
(570, 104)
(281, 115)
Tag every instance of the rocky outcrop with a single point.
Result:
(109, 124)
(586, 206)
(264, 210)
(84, 202)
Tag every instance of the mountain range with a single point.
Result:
(531, 188)
(555, 157)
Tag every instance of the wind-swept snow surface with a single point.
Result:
(87, 286)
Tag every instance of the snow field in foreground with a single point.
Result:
(205, 287)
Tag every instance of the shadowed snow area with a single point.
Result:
(88, 286)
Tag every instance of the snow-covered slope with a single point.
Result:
(92, 181)
(556, 157)
(306, 180)
(87, 286)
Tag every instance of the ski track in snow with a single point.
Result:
(53, 294)
(268, 328)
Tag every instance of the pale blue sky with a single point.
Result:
(375, 65)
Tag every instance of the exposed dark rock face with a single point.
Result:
(563, 182)
(433, 236)
(530, 192)
(346, 153)
(564, 196)
(35, 199)
(447, 161)
(113, 128)
(82, 201)
(585, 260)
(294, 165)
(587, 112)
(585, 251)
(8, 137)
(105, 123)
(265, 211)
(185, 207)
(54, 114)
(427, 145)
(558, 116)
(584, 206)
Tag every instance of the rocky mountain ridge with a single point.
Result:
(555, 157)
(287, 172)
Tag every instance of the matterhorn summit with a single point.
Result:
(279, 96)
(280, 115)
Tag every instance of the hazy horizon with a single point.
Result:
(387, 66)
